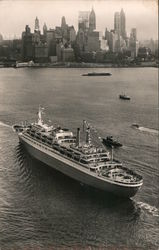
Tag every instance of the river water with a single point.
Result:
(43, 209)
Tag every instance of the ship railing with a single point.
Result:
(116, 179)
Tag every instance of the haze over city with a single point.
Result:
(14, 15)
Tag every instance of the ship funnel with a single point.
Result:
(78, 137)
(88, 137)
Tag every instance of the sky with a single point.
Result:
(140, 14)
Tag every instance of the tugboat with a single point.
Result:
(124, 97)
(109, 141)
(84, 161)
(135, 125)
(97, 74)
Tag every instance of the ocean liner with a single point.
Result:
(81, 160)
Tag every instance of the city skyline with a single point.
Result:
(138, 15)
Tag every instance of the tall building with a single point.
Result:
(37, 26)
(63, 22)
(133, 34)
(83, 20)
(93, 43)
(117, 23)
(81, 39)
(133, 43)
(72, 34)
(51, 42)
(122, 24)
(111, 38)
(92, 20)
(27, 44)
(44, 29)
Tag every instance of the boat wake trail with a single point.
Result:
(150, 209)
(149, 130)
(5, 125)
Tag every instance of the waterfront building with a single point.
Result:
(68, 55)
(59, 48)
(51, 42)
(41, 52)
(150, 44)
(144, 53)
(16, 49)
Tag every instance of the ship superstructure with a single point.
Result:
(81, 160)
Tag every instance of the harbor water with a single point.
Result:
(41, 208)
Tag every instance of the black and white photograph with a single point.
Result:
(79, 125)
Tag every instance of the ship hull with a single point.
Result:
(72, 169)
(97, 74)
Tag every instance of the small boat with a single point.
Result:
(135, 125)
(109, 141)
(97, 74)
(124, 97)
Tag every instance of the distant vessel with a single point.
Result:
(135, 125)
(83, 161)
(124, 97)
(97, 74)
(24, 64)
(109, 141)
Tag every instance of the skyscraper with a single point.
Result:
(44, 29)
(63, 22)
(133, 43)
(122, 24)
(37, 27)
(92, 20)
(117, 23)
(83, 20)
(133, 35)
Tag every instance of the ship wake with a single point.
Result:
(149, 130)
(145, 129)
(150, 209)
(5, 125)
